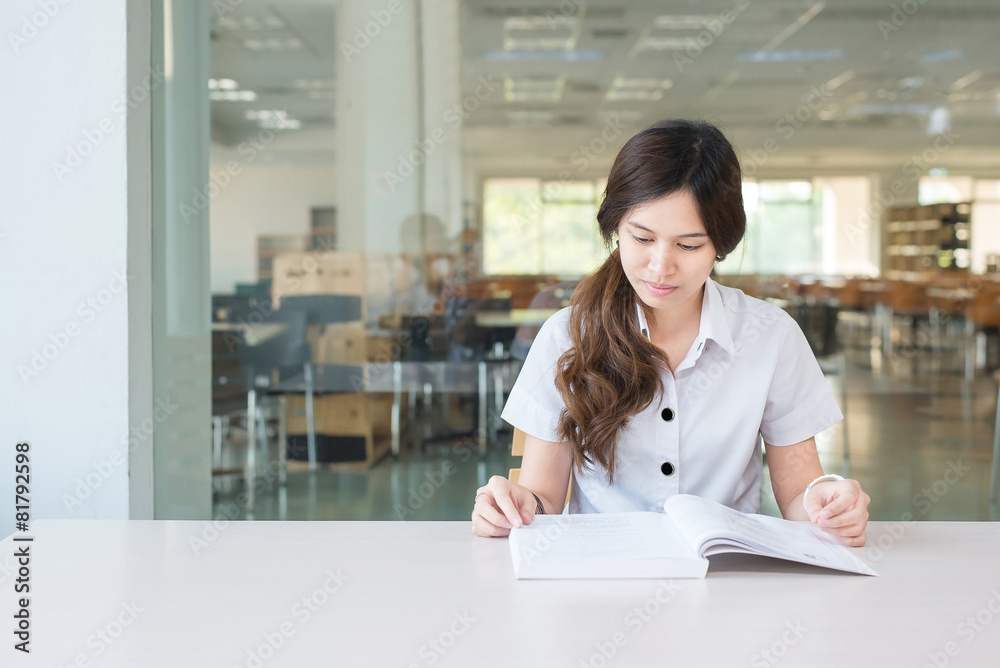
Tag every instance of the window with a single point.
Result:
(817, 226)
(813, 226)
(533, 226)
(950, 189)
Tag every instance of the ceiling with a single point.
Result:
(881, 86)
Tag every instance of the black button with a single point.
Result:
(667, 414)
(667, 468)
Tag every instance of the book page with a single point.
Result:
(713, 528)
(609, 536)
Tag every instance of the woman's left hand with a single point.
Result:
(839, 508)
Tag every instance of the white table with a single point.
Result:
(411, 592)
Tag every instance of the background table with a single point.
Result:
(410, 592)
(483, 378)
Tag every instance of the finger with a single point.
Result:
(840, 498)
(527, 505)
(852, 515)
(483, 528)
(489, 512)
(853, 536)
(852, 541)
(849, 531)
(508, 504)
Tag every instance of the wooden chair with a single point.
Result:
(517, 449)
(908, 299)
(995, 477)
(981, 312)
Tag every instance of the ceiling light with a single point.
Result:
(656, 43)
(533, 55)
(943, 56)
(275, 119)
(540, 33)
(222, 84)
(682, 21)
(639, 89)
(938, 121)
(232, 95)
(839, 80)
(796, 55)
(534, 89)
(888, 109)
(792, 28)
(273, 44)
(970, 78)
(530, 117)
(264, 22)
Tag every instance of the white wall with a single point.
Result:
(68, 279)
(260, 199)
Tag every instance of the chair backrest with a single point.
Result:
(324, 309)
(287, 350)
(467, 341)
(818, 321)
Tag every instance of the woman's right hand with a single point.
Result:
(500, 505)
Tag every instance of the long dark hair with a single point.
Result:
(611, 372)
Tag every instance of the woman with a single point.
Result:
(657, 380)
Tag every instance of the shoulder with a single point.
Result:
(745, 312)
(555, 331)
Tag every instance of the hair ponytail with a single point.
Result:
(610, 372)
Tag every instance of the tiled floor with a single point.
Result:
(920, 443)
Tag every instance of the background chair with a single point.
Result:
(818, 321)
(467, 342)
(264, 365)
(995, 477)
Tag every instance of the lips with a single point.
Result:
(659, 290)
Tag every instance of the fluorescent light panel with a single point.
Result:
(534, 89)
(682, 21)
(540, 33)
(273, 44)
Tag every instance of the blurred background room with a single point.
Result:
(400, 193)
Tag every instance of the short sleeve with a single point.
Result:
(534, 404)
(799, 402)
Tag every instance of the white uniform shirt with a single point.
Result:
(749, 372)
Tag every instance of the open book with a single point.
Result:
(671, 545)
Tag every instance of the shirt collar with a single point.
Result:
(714, 324)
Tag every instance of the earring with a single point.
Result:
(719, 258)
(618, 242)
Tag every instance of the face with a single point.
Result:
(666, 253)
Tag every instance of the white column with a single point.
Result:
(182, 359)
(442, 135)
(378, 119)
(399, 148)
(74, 257)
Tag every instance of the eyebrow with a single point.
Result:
(690, 235)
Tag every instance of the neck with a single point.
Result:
(683, 319)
